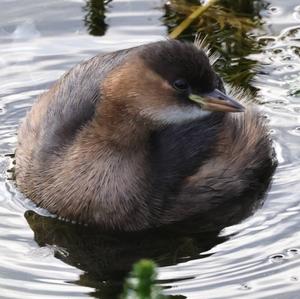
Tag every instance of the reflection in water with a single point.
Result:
(229, 30)
(106, 258)
(94, 19)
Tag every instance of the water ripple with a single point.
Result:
(258, 258)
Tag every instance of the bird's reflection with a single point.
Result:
(106, 257)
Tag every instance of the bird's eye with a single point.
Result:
(181, 85)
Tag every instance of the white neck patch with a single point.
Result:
(175, 114)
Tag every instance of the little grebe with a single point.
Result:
(140, 138)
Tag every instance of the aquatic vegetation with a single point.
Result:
(94, 19)
(200, 10)
(141, 282)
(230, 28)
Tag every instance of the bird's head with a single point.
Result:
(168, 82)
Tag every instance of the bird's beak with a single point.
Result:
(217, 101)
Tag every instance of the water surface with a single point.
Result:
(42, 257)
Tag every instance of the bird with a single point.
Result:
(141, 138)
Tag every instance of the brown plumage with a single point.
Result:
(125, 141)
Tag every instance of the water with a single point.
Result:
(45, 258)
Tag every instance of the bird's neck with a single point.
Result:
(120, 129)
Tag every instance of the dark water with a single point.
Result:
(42, 257)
